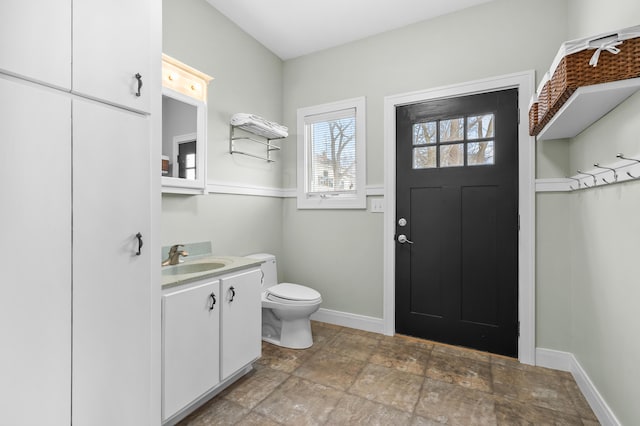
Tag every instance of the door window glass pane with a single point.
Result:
(424, 157)
(480, 153)
(425, 133)
(480, 126)
(452, 130)
(452, 155)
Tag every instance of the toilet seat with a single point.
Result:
(288, 293)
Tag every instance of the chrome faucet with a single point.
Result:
(174, 255)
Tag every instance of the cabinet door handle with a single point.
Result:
(212, 296)
(233, 293)
(140, 244)
(139, 78)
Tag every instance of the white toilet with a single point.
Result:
(286, 308)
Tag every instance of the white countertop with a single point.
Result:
(232, 263)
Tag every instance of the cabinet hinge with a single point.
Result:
(518, 222)
(518, 328)
(518, 115)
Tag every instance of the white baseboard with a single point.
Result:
(556, 360)
(345, 319)
(566, 361)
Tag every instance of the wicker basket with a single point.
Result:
(544, 102)
(533, 119)
(574, 71)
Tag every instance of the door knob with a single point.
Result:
(403, 239)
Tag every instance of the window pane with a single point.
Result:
(452, 155)
(480, 126)
(424, 133)
(480, 153)
(424, 158)
(190, 161)
(333, 155)
(452, 130)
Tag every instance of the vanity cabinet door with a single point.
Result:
(111, 44)
(190, 345)
(35, 40)
(112, 289)
(35, 229)
(241, 321)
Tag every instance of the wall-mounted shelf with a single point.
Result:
(266, 138)
(587, 105)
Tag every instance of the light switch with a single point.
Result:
(377, 205)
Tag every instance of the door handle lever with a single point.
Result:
(403, 239)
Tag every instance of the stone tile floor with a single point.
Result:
(351, 377)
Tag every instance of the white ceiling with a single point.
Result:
(292, 28)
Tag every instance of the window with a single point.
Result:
(454, 142)
(331, 156)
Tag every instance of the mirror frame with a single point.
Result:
(188, 186)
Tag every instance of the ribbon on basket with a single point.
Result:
(609, 46)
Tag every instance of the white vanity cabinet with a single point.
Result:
(190, 344)
(241, 321)
(210, 337)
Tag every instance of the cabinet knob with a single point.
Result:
(212, 296)
(233, 293)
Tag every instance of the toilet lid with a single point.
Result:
(290, 291)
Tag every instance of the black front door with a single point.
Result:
(457, 221)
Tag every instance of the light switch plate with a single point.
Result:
(377, 205)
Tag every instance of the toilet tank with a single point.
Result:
(269, 268)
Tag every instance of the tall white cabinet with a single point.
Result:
(77, 316)
(111, 46)
(35, 229)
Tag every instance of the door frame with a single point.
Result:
(525, 83)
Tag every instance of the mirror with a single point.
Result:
(183, 143)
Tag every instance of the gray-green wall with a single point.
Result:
(604, 245)
(247, 78)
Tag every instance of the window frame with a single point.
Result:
(332, 199)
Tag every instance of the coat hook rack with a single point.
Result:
(633, 163)
(615, 173)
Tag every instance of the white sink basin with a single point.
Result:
(192, 268)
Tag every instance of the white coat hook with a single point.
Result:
(577, 180)
(615, 174)
(595, 181)
(621, 155)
